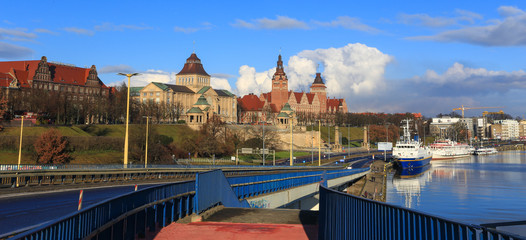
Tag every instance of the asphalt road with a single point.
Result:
(20, 211)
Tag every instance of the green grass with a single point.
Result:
(355, 132)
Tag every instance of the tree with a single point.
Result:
(51, 148)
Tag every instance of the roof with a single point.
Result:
(250, 102)
(224, 93)
(283, 114)
(135, 90)
(201, 101)
(267, 96)
(60, 73)
(204, 89)
(286, 107)
(298, 96)
(194, 110)
(334, 103)
(310, 97)
(193, 66)
(318, 79)
(175, 88)
(274, 108)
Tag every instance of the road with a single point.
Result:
(25, 210)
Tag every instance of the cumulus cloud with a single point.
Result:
(347, 22)
(220, 83)
(349, 71)
(462, 80)
(144, 78)
(422, 19)
(510, 31)
(10, 51)
(121, 68)
(80, 31)
(281, 22)
(250, 81)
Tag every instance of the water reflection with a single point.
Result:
(409, 183)
(479, 189)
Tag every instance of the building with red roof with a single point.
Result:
(315, 102)
(41, 74)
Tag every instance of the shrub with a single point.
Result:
(51, 148)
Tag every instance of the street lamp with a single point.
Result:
(20, 148)
(146, 150)
(319, 142)
(291, 139)
(129, 75)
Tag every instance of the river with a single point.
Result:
(476, 189)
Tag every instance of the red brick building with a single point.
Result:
(270, 105)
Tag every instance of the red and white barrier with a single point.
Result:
(136, 187)
(80, 199)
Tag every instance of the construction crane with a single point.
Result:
(466, 108)
(486, 113)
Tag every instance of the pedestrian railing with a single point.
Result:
(344, 216)
(131, 215)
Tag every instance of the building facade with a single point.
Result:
(192, 86)
(271, 104)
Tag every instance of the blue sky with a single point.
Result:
(381, 56)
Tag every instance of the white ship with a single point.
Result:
(447, 149)
(485, 151)
(410, 153)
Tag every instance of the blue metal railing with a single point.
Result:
(344, 216)
(251, 186)
(212, 188)
(134, 212)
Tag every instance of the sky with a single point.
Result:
(381, 56)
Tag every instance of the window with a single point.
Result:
(144, 94)
(157, 100)
(151, 94)
(157, 94)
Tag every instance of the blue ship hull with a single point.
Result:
(413, 172)
(413, 162)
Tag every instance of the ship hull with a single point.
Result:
(406, 163)
(448, 157)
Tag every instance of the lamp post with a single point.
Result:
(146, 150)
(329, 139)
(319, 142)
(349, 139)
(264, 141)
(20, 149)
(291, 139)
(129, 75)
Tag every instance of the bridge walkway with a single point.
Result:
(246, 223)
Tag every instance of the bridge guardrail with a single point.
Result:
(132, 213)
(345, 216)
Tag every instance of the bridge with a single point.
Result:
(341, 216)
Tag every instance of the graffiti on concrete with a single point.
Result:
(262, 203)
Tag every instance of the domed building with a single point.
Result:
(190, 93)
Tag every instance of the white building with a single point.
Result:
(510, 129)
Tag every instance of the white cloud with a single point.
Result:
(80, 31)
(144, 78)
(121, 68)
(510, 31)
(204, 26)
(281, 22)
(121, 27)
(10, 51)
(18, 32)
(250, 81)
(347, 22)
(43, 30)
(350, 71)
(220, 83)
(508, 11)
(422, 19)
